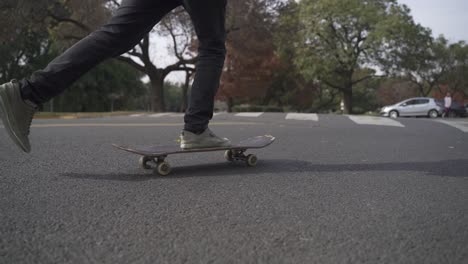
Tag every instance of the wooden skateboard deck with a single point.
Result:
(158, 154)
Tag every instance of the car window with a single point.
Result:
(423, 101)
(411, 102)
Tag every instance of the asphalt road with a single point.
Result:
(331, 189)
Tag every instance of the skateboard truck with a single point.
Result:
(162, 167)
(239, 154)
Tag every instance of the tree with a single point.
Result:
(426, 64)
(47, 27)
(178, 28)
(340, 42)
(112, 85)
(25, 46)
(250, 61)
(457, 76)
(185, 90)
(289, 87)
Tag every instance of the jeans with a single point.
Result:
(131, 22)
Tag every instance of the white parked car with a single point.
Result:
(420, 106)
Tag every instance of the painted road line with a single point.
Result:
(138, 125)
(461, 125)
(374, 120)
(137, 115)
(299, 116)
(247, 114)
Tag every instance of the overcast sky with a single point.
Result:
(447, 17)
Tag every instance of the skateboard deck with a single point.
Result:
(156, 155)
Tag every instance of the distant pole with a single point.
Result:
(113, 97)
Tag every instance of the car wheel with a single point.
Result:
(393, 114)
(433, 114)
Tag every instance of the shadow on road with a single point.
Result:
(445, 168)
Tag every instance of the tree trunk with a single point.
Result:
(348, 101)
(230, 104)
(185, 88)
(157, 91)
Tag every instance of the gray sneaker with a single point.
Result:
(16, 114)
(207, 139)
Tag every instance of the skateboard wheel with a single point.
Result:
(164, 168)
(144, 162)
(252, 160)
(229, 155)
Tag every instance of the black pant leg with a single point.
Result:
(133, 19)
(208, 17)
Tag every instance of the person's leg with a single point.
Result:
(132, 20)
(18, 101)
(208, 17)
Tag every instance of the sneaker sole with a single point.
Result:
(194, 146)
(8, 126)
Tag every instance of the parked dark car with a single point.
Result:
(456, 110)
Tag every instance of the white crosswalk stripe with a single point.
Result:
(176, 114)
(159, 115)
(246, 114)
(461, 125)
(300, 116)
(374, 120)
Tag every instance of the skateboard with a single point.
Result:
(156, 155)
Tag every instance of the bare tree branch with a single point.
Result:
(174, 40)
(367, 77)
(116, 3)
(69, 20)
(333, 85)
(72, 37)
(133, 63)
(178, 66)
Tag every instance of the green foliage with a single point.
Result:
(37, 37)
(24, 47)
(29, 52)
(457, 76)
(365, 96)
(257, 108)
(173, 96)
(95, 91)
(335, 41)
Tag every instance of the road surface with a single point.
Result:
(331, 189)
